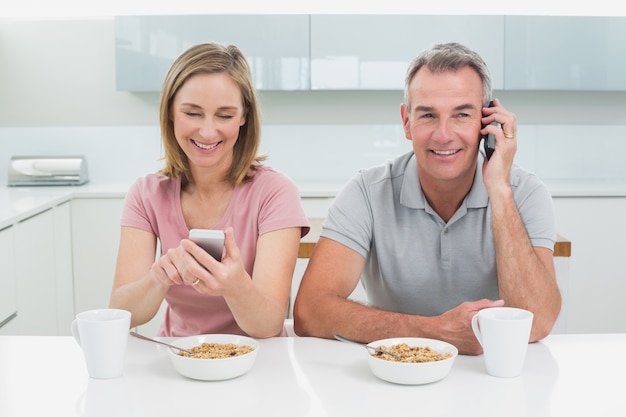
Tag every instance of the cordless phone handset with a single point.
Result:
(489, 140)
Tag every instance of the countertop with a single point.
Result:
(18, 203)
(564, 375)
(587, 187)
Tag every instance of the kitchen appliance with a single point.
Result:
(47, 170)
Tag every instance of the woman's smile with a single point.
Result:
(205, 147)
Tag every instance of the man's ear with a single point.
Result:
(406, 123)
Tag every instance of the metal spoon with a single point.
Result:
(368, 347)
(139, 336)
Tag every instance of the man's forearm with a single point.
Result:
(526, 276)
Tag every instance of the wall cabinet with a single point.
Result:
(580, 53)
(276, 46)
(373, 52)
(44, 274)
(302, 52)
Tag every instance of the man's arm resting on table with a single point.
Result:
(322, 307)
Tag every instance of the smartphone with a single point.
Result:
(211, 241)
(489, 141)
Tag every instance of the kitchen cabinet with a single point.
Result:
(373, 52)
(316, 207)
(63, 267)
(10, 327)
(580, 53)
(597, 272)
(8, 283)
(44, 274)
(276, 46)
(95, 255)
(95, 234)
(302, 52)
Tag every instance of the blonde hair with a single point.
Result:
(212, 58)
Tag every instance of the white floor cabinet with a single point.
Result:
(43, 269)
(8, 281)
(597, 282)
(96, 235)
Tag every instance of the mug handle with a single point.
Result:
(75, 333)
(476, 329)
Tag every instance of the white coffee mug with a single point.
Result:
(504, 333)
(103, 337)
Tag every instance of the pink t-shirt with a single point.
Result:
(269, 202)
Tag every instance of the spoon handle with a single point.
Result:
(344, 339)
(140, 336)
(368, 347)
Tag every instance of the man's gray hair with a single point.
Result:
(446, 57)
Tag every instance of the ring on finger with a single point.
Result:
(196, 282)
(509, 135)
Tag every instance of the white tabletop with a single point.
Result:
(565, 375)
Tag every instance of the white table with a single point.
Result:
(565, 375)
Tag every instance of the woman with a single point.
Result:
(213, 179)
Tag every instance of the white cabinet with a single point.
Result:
(8, 283)
(565, 53)
(316, 207)
(95, 237)
(63, 267)
(373, 52)
(276, 46)
(10, 327)
(43, 271)
(562, 269)
(302, 52)
(597, 272)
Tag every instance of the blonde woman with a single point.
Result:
(213, 179)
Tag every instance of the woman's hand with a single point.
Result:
(206, 274)
(166, 268)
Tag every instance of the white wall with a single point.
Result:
(58, 78)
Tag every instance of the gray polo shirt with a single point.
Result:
(415, 262)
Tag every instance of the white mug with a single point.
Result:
(504, 333)
(103, 337)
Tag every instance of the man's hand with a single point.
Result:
(455, 326)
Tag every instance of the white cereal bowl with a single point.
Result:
(213, 369)
(412, 373)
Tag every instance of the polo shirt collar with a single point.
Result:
(412, 196)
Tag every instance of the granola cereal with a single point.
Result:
(217, 351)
(416, 354)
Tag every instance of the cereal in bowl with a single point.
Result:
(217, 351)
(415, 354)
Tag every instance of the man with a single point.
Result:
(441, 232)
